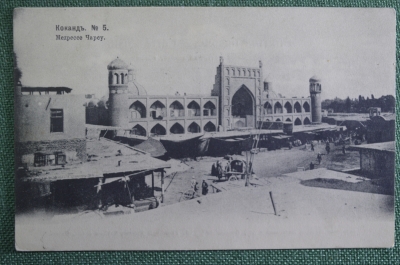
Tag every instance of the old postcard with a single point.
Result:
(204, 128)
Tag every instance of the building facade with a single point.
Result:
(381, 127)
(131, 108)
(246, 99)
(49, 126)
(239, 99)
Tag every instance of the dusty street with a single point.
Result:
(267, 165)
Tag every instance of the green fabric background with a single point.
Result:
(8, 255)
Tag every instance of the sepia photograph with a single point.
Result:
(145, 128)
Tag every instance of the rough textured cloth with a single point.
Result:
(8, 255)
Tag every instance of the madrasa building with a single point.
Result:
(239, 99)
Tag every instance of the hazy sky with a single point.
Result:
(178, 49)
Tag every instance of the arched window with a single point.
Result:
(288, 119)
(138, 130)
(297, 122)
(209, 127)
(267, 108)
(278, 108)
(306, 107)
(297, 107)
(158, 129)
(288, 107)
(116, 79)
(209, 109)
(177, 129)
(157, 110)
(194, 128)
(193, 109)
(138, 110)
(306, 121)
(176, 109)
(278, 119)
(110, 78)
(122, 78)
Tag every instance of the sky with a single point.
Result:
(177, 49)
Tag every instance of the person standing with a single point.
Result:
(312, 146)
(311, 165)
(328, 148)
(204, 188)
(344, 149)
(319, 158)
(193, 182)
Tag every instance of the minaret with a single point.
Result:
(118, 88)
(315, 93)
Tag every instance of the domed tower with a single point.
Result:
(133, 86)
(268, 91)
(118, 88)
(315, 93)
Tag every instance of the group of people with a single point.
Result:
(327, 149)
(195, 186)
(218, 170)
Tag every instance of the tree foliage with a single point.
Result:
(360, 105)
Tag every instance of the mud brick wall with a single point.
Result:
(70, 145)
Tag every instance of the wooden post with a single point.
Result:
(272, 200)
(162, 185)
(100, 203)
(247, 169)
(152, 182)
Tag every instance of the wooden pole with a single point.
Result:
(272, 200)
(247, 169)
(99, 193)
(152, 182)
(162, 186)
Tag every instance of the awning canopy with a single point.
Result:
(153, 147)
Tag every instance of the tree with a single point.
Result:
(348, 104)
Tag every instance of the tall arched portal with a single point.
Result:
(243, 108)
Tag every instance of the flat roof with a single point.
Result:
(317, 127)
(103, 160)
(385, 146)
(44, 89)
(103, 127)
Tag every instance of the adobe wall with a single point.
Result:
(74, 149)
(377, 164)
(32, 117)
